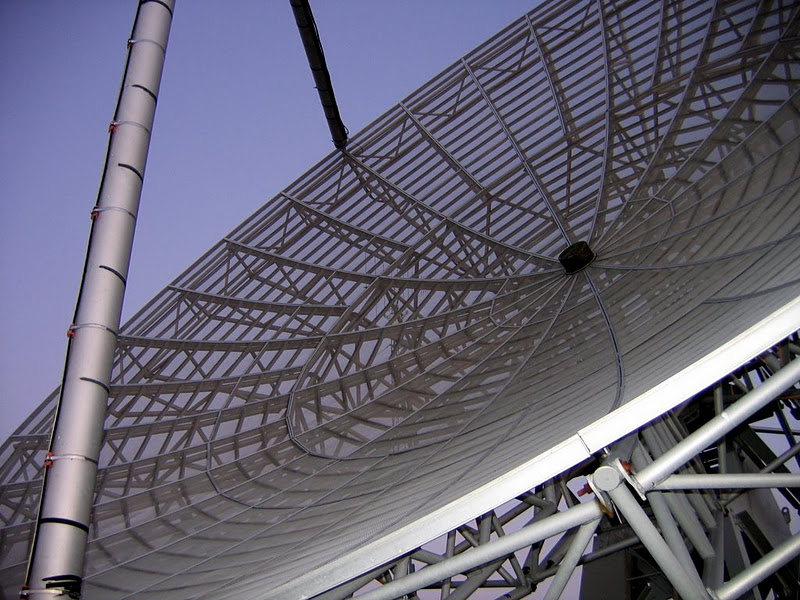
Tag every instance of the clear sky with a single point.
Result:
(238, 119)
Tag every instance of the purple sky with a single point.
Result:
(238, 119)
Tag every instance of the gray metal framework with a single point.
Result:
(391, 348)
(709, 531)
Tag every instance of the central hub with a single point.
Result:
(576, 258)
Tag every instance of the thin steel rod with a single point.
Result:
(629, 542)
(571, 558)
(717, 427)
(687, 518)
(743, 582)
(62, 527)
(703, 504)
(782, 459)
(787, 430)
(517, 594)
(530, 534)
(498, 527)
(692, 514)
(772, 430)
(449, 553)
(691, 481)
(768, 468)
(475, 580)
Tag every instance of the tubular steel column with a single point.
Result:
(56, 561)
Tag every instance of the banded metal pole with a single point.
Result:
(56, 561)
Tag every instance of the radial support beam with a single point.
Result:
(57, 553)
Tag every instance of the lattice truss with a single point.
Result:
(716, 531)
(390, 346)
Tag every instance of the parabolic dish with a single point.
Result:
(391, 346)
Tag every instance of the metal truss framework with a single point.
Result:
(684, 504)
(391, 347)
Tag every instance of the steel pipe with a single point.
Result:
(62, 527)
(530, 534)
(714, 567)
(717, 427)
(571, 558)
(692, 481)
(673, 536)
(683, 583)
(681, 509)
(760, 570)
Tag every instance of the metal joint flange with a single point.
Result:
(625, 469)
(603, 499)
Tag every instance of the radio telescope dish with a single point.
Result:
(585, 221)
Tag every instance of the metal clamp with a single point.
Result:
(625, 469)
(73, 328)
(24, 593)
(98, 209)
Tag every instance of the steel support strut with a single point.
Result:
(319, 69)
(717, 427)
(669, 551)
(536, 532)
(571, 558)
(683, 581)
(56, 561)
(760, 570)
